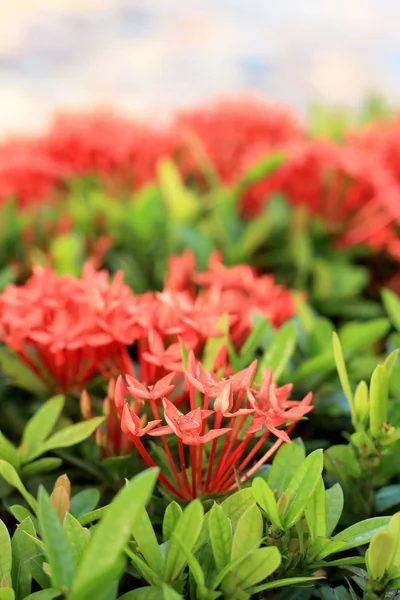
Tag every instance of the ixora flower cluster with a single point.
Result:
(67, 330)
(353, 186)
(236, 409)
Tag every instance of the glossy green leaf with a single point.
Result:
(84, 502)
(280, 350)
(334, 507)
(47, 594)
(7, 594)
(356, 535)
(248, 532)
(187, 529)
(387, 497)
(302, 486)
(69, 436)
(172, 515)
(58, 552)
(264, 496)
(315, 512)
(359, 336)
(258, 566)
(234, 506)
(380, 553)
(288, 581)
(40, 467)
(99, 562)
(260, 170)
(77, 536)
(285, 464)
(21, 513)
(181, 202)
(8, 452)
(146, 540)
(11, 476)
(5, 554)
(41, 424)
(378, 401)
(143, 568)
(23, 550)
(143, 593)
(220, 529)
(390, 362)
(342, 371)
(392, 305)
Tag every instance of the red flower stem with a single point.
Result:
(227, 478)
(183, 465)
(193, 460)
(226, 455)
(150, 463)
(212, 453)
(184, 489)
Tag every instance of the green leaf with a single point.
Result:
(67, 253)
(181, 203)
(188, 529)
(234, 506)
(387, 497)
(380, 553)
(302, 486)
(342, 371)
(392, 305)
(8, 452)
(58, 552)
(378, 401)
(146, 540)
(260, 170)
(77, 536)
(41, 466)
(170, 594)
(256, 233)
(356, 535)
(23, 550)
(143, 593)
(110, 537)
(172, 515)
(11, 476)
(19, 374)
(286, 463)
(5, 554)
(69, 436)
(7, 594)
(213, 344)
(334, 507)
(48, 594)
(220, 529)
(258, 566)
(21, 513)
(84, 502)
(248, 532)
(390, 362)
(143, 568)
(264, 496)
(359, 336)
(93, 515)
(283, 583)
(315, 512)
(41, 424)
(281, 350)
(195, 568)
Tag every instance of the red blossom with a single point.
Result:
(223, 132)
(67, 330)
(28, 173)
(247, 409)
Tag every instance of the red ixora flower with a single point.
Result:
(226, 413)
(68, 329)
(28, 173)
(238, 290)
(221, 133)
